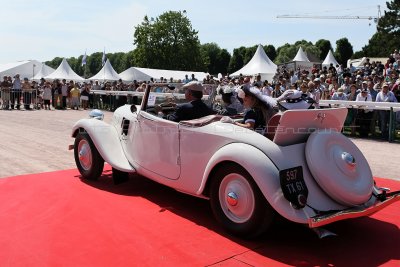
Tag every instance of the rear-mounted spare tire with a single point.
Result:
(339, 167)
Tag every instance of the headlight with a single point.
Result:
(96, 114)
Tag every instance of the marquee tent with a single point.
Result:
(359, 62)
(133, 74)
(107, 73)
(64, 71)
(301, 56)
(300, 61)
(329, 59)
(26, 68)
(259, 64)
(144, 74)
(43, 72)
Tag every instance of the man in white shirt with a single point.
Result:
(364, 116)
(385, 96)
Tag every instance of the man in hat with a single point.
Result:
(339, 95)
(195, 109)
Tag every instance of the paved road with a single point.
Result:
(37, 141)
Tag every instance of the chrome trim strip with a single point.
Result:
(320, 220)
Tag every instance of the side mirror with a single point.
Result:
(133, 108)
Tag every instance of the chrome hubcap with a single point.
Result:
(85, 155)
(232, 199)
(348, 159)
(236, 198)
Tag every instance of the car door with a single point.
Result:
(155, 145)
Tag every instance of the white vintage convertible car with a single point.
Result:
(306, 171)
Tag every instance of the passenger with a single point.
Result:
(294, 99)
(231, 105)
(260, 109)
(195, 109)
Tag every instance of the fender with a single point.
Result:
(111, 151)
(264, 173)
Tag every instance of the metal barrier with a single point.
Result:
(26, 99)
(390, 107)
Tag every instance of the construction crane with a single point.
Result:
(374, 18)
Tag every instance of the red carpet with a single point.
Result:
(56, 219)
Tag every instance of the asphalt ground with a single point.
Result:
(37, 141)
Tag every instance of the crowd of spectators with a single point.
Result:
(374, 81)
(62, 94)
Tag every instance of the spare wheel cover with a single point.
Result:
(339, 167)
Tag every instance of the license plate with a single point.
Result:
(293, 186)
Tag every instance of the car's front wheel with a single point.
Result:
(88, 160)
(238, 203)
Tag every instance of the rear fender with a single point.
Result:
(263, 171)
(106, 139)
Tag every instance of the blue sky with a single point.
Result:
(44, 29)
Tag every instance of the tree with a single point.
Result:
(324, 46)
(215, 58)
(344, 51)
(210, 52)
(287, 52)
(270, 51)
(249, 53)
(54, 63)
(386, 39)
(237, 59)
(224, 59)
(168, 42)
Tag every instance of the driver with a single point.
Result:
(195, 109)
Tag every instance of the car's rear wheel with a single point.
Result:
(238, 203)
(88, 160)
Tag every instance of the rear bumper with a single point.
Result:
(321, 220)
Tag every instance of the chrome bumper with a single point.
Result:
(320, 220)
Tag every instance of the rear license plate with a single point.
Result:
(293, 186)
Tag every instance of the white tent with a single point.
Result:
(132, 74)
(43, 72)
(300, 61)
(259, 64)
(329, 59)
(26, 68)
(64, 71)
(301, 56)
(359, 62)
(144, 74)
(107, 73)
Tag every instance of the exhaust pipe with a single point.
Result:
(322, 232)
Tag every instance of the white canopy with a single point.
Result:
(107, 73)
(132, 74)
(259, 64)
(329, 59)
(43, 72)
(301, 56)
(26, 68)
(144, 74)
(64, 71)
(359, 62)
